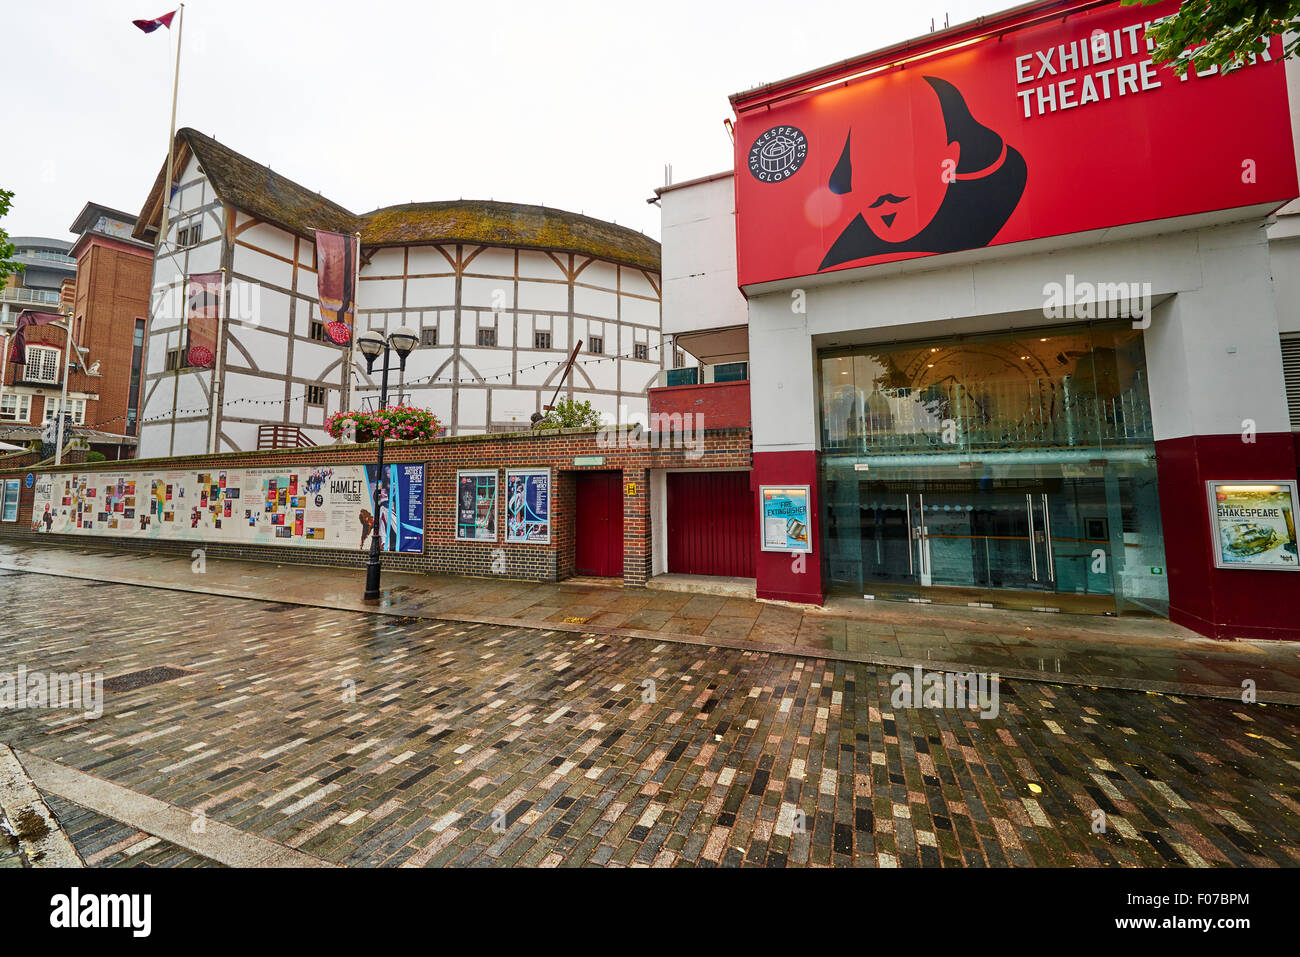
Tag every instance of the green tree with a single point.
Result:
(7, 265)
(569, 414)
(1222, 33)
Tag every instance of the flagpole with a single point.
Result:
(63, 402)
(171, 139)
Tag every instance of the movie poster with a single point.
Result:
(785, 518)
(1253, 524)
(528, 506)
(476, 506)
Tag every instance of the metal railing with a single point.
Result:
(24, 294)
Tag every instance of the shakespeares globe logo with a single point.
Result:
(777, 154)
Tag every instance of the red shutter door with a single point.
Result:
(711, 524)
(598, 545)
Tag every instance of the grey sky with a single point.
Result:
(568, 103)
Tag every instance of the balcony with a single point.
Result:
(719, 393)
(22, 294)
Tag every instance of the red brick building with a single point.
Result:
(108, 303)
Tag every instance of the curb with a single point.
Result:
(27, 821)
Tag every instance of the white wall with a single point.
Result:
(699, 256)
(1212, 349)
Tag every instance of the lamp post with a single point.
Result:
(372, 344)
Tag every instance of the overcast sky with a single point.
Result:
(571, 104)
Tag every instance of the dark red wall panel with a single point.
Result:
(711, 519)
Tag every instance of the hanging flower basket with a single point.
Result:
(402, 423)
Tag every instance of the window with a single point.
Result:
(315, 395)
(487, 337)
(679, 359)
(541, 340)
(42, 365)
(317, 330)
(596, 345)
(10, 507)
(640, 351)
(76, 407)
(15, 408)
(133, 390)
(173, 360)
(190, 235)
(429, 336)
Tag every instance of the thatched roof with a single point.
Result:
(259, 191)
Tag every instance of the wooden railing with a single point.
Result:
(282, 437)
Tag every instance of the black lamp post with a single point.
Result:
(372, 344)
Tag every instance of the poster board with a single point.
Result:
(1252, 524)
(476, 505)
(293, 505)
(528, 506)
(784, 519)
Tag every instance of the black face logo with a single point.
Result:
(777, 154)
(967, 202)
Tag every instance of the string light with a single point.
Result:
(429, 379)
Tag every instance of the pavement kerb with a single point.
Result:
(41, 840)
(1149, 686)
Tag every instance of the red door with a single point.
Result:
(711, 524)
(598, 545)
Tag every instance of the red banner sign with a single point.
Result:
(203, 307)
(336, 280)
(1058, 127)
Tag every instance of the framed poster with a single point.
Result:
(10, 507)
(399, 522)
(528, 506)
(785, 518)
(476, 505)
(1252, 524)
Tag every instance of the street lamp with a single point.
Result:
(372, 344)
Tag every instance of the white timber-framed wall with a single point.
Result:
(460, 289)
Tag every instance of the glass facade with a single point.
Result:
(994, 469)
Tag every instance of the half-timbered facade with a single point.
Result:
(499, 292)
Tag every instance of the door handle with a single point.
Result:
(1033, 545)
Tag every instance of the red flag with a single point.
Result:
(18, 351)
(149, 26)
(336, 259)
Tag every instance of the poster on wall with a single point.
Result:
(398, 516)
(476, 506)
(10, 507)
(313, 506)
(1253, 524)
(528, 506)
(785, 518)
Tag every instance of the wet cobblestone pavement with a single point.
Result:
(370, 740)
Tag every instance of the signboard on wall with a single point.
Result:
(476, 505)
(785, 518)
(999, 135)
(1253, 524)
(528, 506)
(9, 509)
(314, 506)
(401, 521)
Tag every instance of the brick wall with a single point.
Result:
(727, 448)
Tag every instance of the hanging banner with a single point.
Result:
(1253, 524)
(528, 506)
(785, 518)
(202, 312)
(336, 281)
(304, 505)
(18, 346)
(397, 514)
(476, 506)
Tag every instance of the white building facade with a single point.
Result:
(500, 295)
